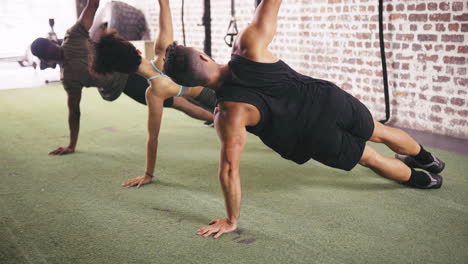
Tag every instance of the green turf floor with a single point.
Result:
(72, 209)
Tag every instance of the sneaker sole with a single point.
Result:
(412, 163)
(436, 186)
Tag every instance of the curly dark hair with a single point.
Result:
(112, 53)
(184, 66)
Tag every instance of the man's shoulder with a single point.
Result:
(75, 44)
(78, 31)
(235, 106)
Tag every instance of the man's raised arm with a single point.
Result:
(87, 17)
(166, 34)
(259, 34)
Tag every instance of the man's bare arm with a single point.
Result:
(74, 115)
(259, 34)
(166, 33)
(87, 16)
(230, 125)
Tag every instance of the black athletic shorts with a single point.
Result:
(136, 89)
(354, 127)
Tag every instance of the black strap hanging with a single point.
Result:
(232, 30)
(206, 22)
(183, 23)
(384, 65)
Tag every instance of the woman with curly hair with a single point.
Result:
(112, 53)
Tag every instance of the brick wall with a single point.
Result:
(337, 40)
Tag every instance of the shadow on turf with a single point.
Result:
(239, 236)
(270, 180)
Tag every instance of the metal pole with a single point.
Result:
(207, 24)
(384, 64)
(183, 23)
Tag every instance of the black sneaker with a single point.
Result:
(437, 166)
(436, 182)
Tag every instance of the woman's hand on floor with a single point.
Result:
(139, 181)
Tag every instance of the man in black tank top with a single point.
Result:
(299, 117)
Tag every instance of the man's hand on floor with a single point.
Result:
(62, 151)
(219, 226)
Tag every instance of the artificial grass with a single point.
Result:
(72, 209)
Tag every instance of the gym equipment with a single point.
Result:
(207, 23)
(52, 35)
(128, 21)
(232, 30)
(183, 23)
(384, 65)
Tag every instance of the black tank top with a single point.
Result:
(296, 110)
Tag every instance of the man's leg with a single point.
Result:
(413, 154)
(388, 167)
(395, 169)
(192, 110)
(395, 138)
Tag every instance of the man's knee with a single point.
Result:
(380, 133)
(369, 157)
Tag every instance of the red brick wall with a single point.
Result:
(337, 40)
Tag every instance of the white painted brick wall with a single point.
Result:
(337, 40)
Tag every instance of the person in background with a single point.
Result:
(73, 55)
(113, 54)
